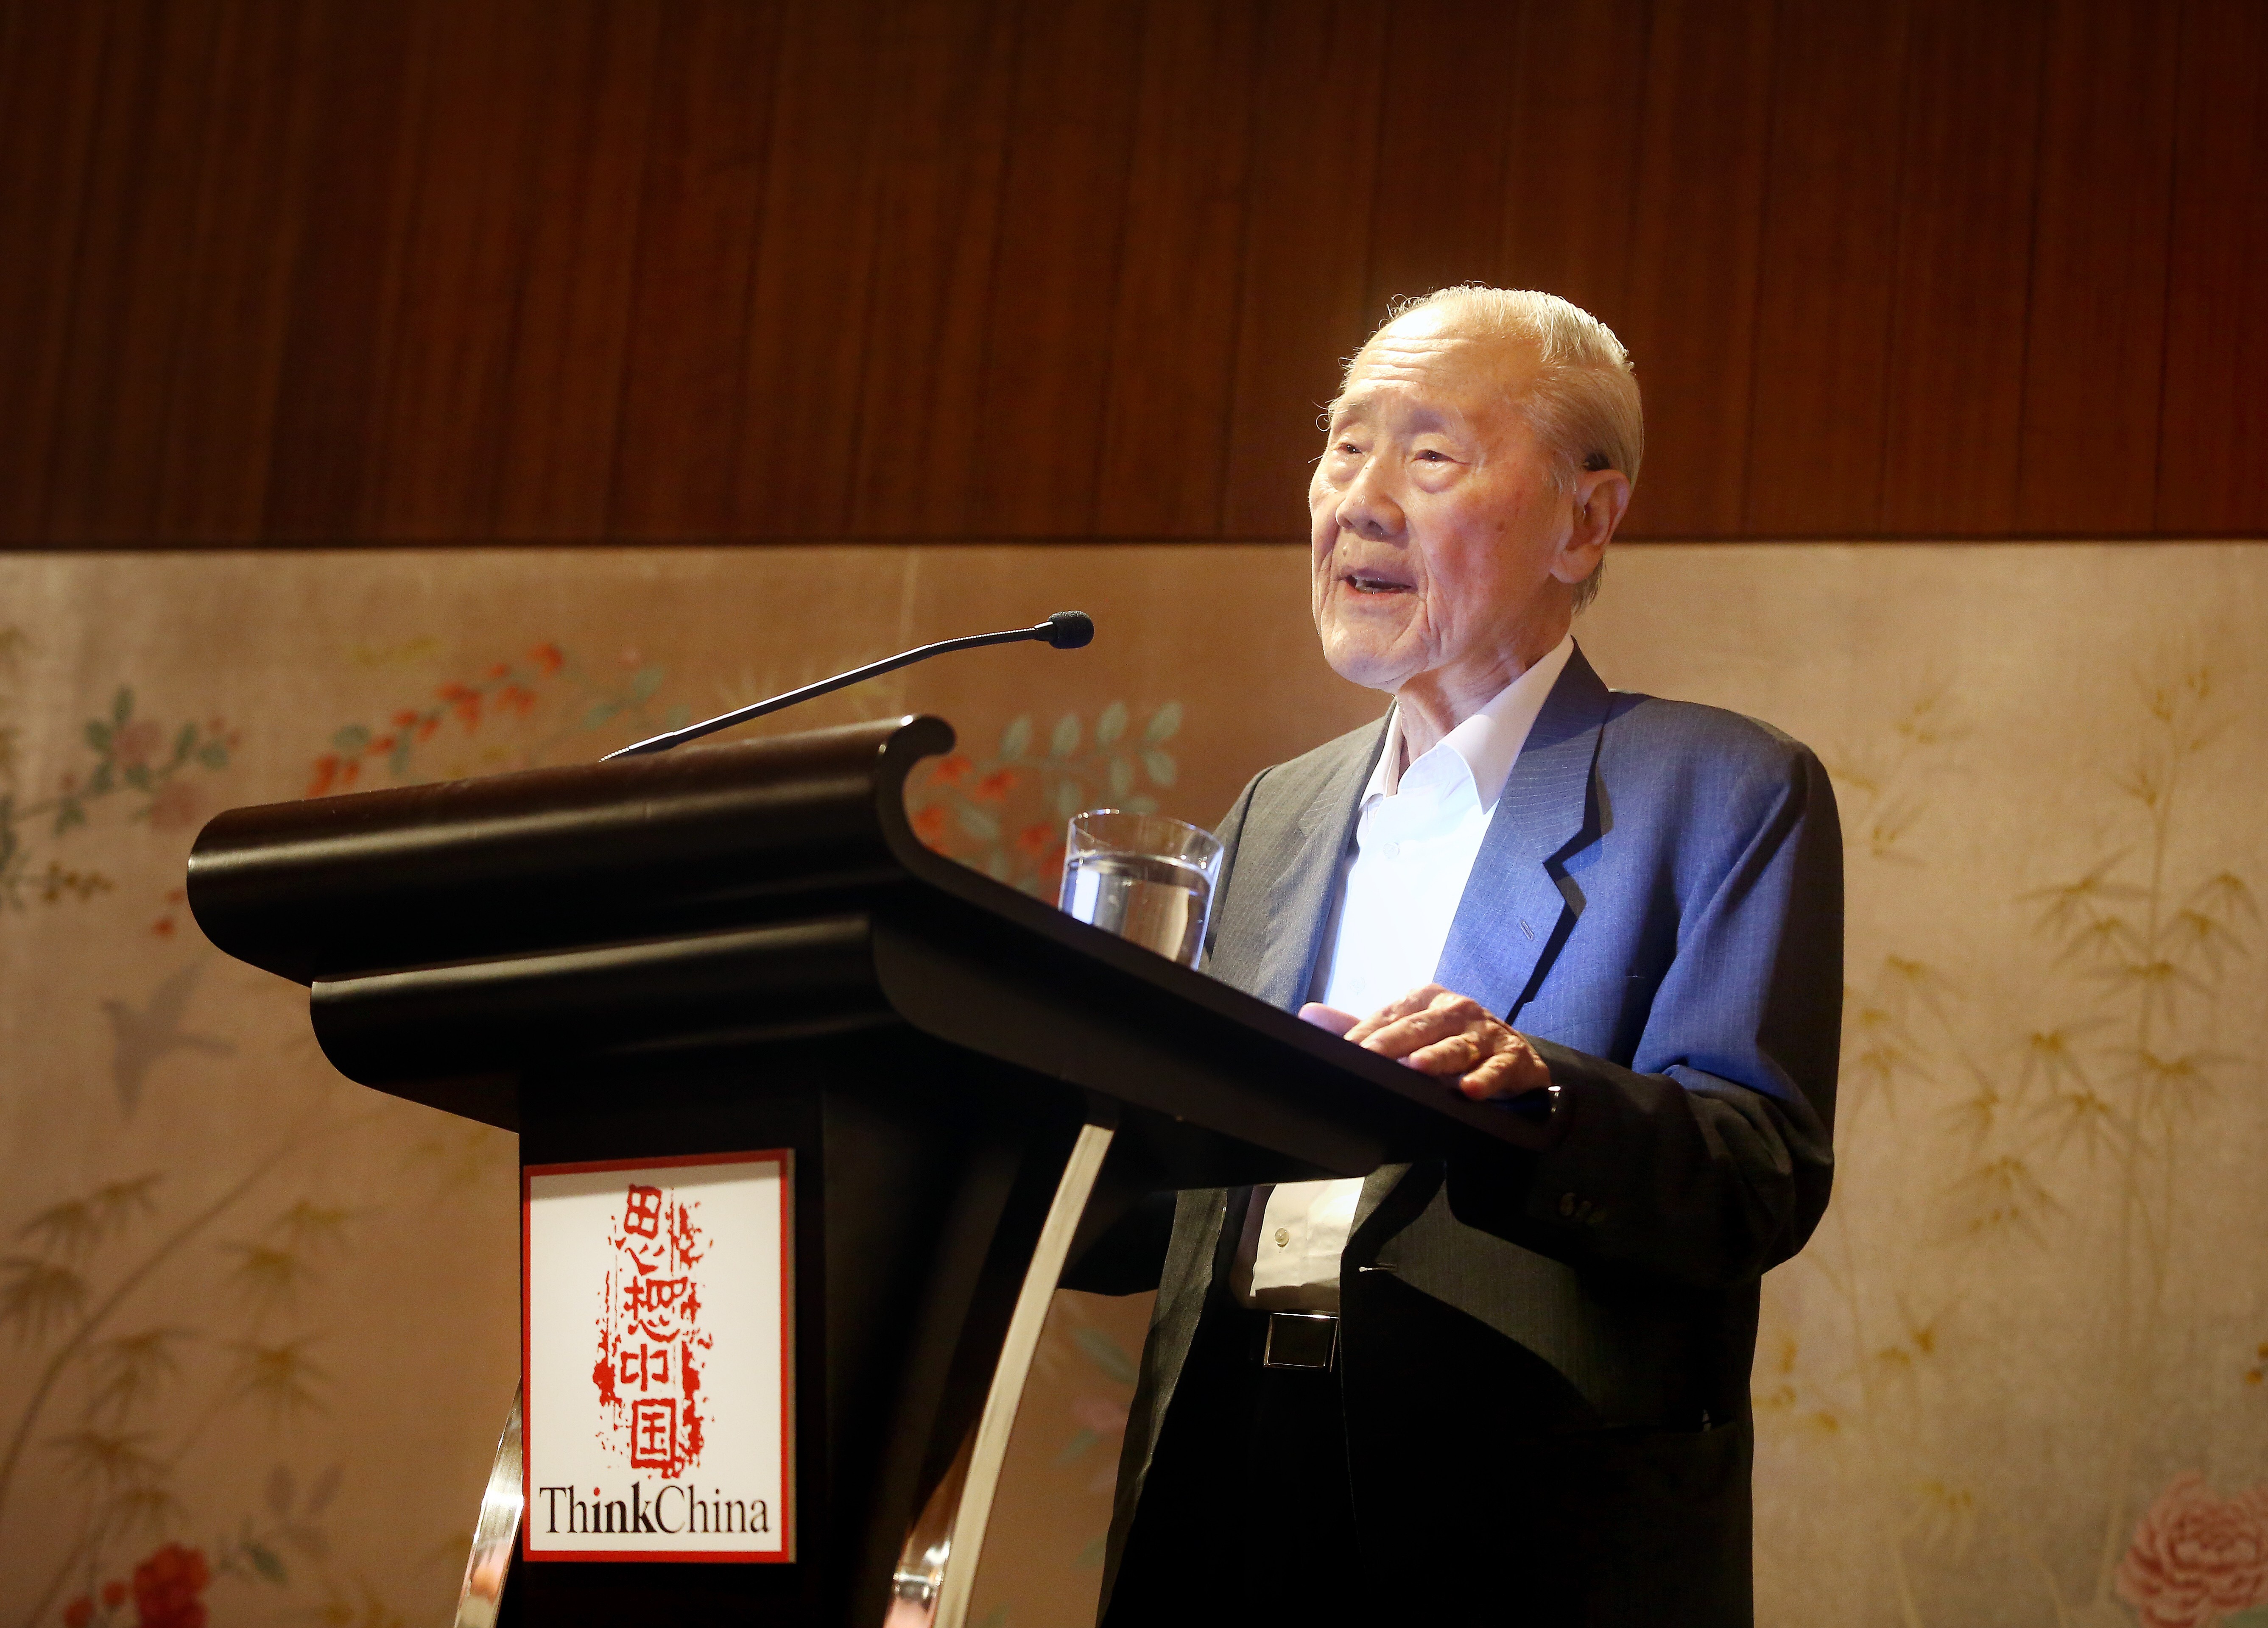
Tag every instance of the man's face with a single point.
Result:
(1435, 524)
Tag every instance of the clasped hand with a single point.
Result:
(1451, 1036)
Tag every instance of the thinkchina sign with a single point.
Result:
(661, 1388)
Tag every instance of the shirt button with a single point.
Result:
(1283, 1237)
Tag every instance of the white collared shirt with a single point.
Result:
(1415, 840)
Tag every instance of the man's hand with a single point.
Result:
(1449, 1035)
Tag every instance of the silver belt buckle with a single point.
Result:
(1301, 1339)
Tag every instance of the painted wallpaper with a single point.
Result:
(257, 1325)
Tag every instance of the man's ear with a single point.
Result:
(1599, 497)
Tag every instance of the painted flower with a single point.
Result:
(929, 826)
(1102, 1415)
(79, 1613)
(465, 701)
(2195, 1558)
(996, 786)
(178, 806)
(136, 743)
(114, 1595)
(168, 1588)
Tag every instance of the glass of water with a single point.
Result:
(1142, 876)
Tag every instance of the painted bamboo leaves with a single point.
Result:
(2063, 1117)
(114, 1408)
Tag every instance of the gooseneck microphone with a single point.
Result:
(1066, 630)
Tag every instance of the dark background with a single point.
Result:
(337, 271)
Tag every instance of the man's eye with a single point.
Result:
(1432, 457)
(1347, 449)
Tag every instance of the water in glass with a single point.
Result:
(1160, 904)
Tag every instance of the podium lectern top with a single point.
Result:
(454, 934)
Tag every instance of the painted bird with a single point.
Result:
(140, 1038)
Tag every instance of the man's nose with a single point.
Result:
(1367, 508)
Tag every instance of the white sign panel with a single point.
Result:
(656, 1296)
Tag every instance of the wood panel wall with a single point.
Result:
(440, 270)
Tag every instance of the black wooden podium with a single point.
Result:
(744, 946)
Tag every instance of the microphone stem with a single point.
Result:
(872, 670)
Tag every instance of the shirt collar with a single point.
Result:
(1488, 743)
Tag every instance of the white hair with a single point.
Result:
(1582, 403)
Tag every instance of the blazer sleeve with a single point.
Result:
(1709, 1158)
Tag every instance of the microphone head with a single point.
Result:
(1069, 630)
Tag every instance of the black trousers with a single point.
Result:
(1247, 1516)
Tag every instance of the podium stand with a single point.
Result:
(745, 948)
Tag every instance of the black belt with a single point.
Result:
(1299, 1339)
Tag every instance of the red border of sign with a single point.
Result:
(785, 1157)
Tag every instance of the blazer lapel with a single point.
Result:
(1306, 883)
(1519, 904)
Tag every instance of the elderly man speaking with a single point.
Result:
(1436, 1396)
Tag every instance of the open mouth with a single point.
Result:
(1370, 583)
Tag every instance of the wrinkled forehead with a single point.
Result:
(1428, 367)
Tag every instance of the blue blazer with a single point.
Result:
(1546, 1375)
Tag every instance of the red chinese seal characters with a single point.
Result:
(651, 1343)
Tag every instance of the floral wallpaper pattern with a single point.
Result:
(2066, 1117)
(2011, 1377)
(1006, 814)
